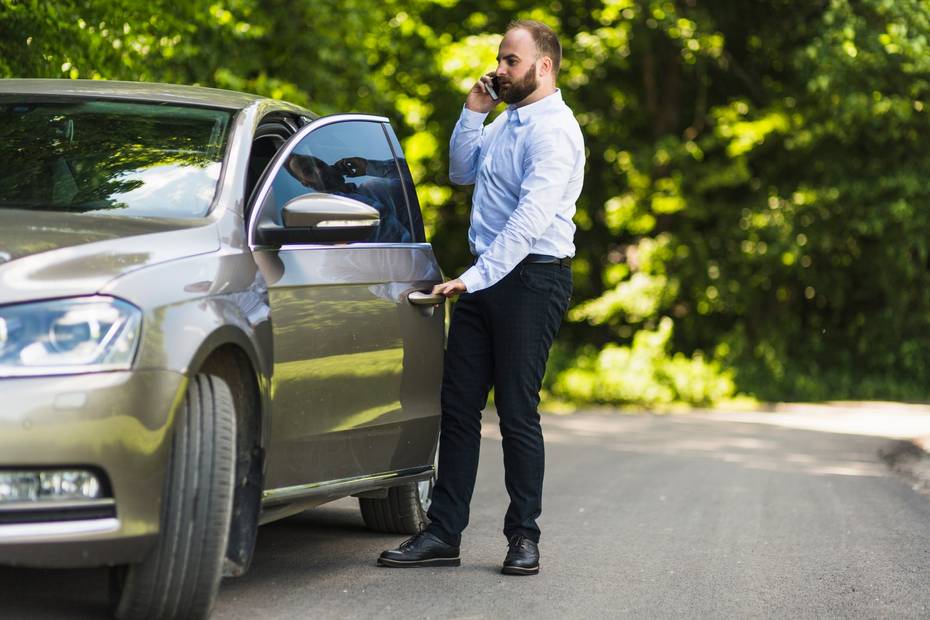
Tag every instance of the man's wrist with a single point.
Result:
(472, 119)
(471, 279)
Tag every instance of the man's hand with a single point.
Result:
(450, 288)
(478, 98)
(352, 166)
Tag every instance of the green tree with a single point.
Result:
(755, 206)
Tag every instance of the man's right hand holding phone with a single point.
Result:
(479, 97)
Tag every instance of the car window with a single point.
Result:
(416, 217)
(108, 157)
(351, 159)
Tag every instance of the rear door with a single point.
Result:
(357, 366)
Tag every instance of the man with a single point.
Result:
(527, 167)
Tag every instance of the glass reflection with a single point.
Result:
(102, 156)
(352, 159)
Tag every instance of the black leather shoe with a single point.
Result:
(424, 549)
(522, 557)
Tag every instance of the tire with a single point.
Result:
(403, 511)
(181, 575)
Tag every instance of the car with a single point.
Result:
(215, 312)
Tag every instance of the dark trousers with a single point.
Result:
(499, 337)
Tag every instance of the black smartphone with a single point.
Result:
(492, 88)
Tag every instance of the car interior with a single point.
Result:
(272, 133)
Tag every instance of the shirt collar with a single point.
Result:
(523, 114)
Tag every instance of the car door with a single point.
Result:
(357, 365)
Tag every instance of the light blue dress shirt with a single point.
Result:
(527, 166)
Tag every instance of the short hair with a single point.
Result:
(545, 38)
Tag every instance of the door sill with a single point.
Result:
(285, 501)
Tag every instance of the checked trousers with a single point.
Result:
(499, 336)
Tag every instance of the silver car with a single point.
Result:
(214, 313)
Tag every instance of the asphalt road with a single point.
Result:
(644, 516)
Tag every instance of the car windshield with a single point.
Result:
(98, 157)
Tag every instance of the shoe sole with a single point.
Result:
(416, 563)
(519, 570)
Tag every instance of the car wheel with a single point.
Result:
(181, 575)
(403, 511)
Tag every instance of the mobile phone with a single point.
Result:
(492, 88)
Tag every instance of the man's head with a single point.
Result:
(528, 61)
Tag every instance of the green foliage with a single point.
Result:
(757, 171)
(120, 39)
(645, 373)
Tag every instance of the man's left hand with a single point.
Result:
(450, 288)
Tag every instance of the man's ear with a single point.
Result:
(545, 66)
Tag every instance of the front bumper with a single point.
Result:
(115, 423)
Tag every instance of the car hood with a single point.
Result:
(54, 254)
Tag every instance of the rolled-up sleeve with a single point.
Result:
(465, 146)
(548, 168)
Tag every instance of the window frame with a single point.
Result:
(259, 196)
(417, 230)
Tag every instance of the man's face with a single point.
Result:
(516, 66)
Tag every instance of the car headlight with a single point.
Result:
(83, 334)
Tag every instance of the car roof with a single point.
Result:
(135, 91)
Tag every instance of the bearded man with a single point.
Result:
(527, 167)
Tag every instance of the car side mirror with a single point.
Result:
(321, 218)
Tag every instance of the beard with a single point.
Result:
(518, 90)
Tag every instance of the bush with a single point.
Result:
(644, 373)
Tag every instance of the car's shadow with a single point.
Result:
(284, 546)
(58, 593)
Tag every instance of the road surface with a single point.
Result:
(644, 516)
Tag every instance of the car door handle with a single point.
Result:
(419, 298)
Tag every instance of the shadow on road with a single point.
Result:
(306, 546)
(66, 594)
(299, 549)
(767, 448)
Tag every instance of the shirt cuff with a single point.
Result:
(472, 279)
(471, 119)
